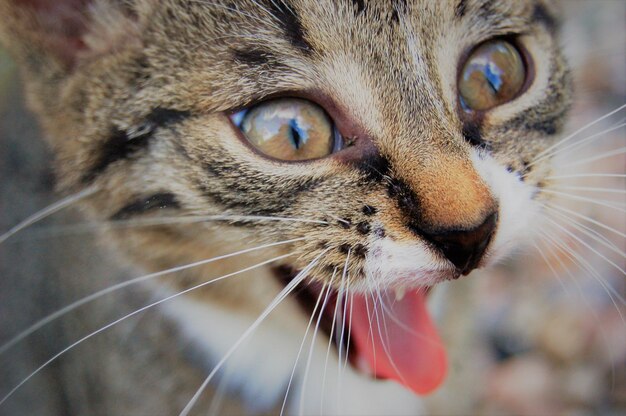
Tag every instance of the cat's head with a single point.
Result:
(396, 140)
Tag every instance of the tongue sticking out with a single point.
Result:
(398, 340)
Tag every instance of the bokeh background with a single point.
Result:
(544, 334)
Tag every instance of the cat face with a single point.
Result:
(421, 177)
(419, 183)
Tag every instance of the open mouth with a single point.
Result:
(387, 335)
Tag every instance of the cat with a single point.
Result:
(351, 154)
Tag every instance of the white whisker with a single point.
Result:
(590, 189)
(345, 362)
(615, 152)
(576, 145)
(330, 342)
(343, 280)
(587, 175)
(569, 253)
(371, 329)
(119, 286)
(338, 219)
(310, 355)
(346, 357)
(550, 266)
(575, 237)
(325, 288)
(279, 298)
(586, 218)
(408, 329)
(49, 210)
(585, 127)
(220, 392)
(151, 222)
(586, 266)
(589, 232)
(384, 344)
(125, 317)
(343, 296)
(601, 202)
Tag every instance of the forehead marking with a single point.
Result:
(460, 9)
(291, 24)
(350, 86)
(543, 16)
(256, 57)
(425, 75)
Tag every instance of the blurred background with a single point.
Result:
(544, 334)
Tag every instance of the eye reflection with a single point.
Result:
(493, 74)
(288, 129)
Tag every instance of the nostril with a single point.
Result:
(465, 248)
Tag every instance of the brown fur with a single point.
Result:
(183, 58)
(92, 73)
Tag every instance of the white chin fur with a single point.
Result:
(260, 369)
(517, 213)
(393, 264)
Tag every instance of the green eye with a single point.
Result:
(492, 75)
(289, 129)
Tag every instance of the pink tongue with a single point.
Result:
(402, 344)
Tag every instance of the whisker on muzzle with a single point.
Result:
(299, 278)
(72, 229)
(80, 302)
(48, 211)
(130, 315)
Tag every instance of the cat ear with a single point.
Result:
(58, 34)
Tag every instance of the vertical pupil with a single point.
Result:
(493, 75)
(297, 136)
(287, 129)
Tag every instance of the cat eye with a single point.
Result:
(493, 74)
(289, 129)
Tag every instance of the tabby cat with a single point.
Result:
(289, 168)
